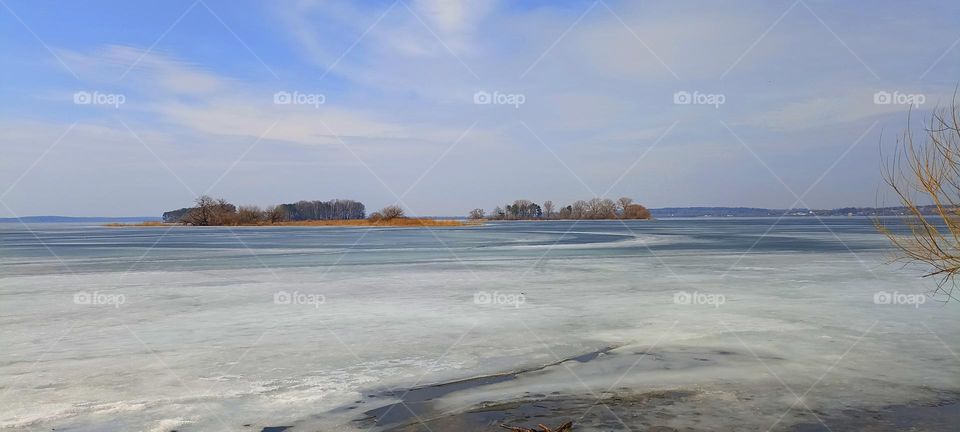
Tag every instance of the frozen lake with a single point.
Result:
(742, 324)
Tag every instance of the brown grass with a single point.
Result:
(397, 222)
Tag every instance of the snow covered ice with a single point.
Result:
(218, 329)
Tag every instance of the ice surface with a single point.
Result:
(200, 343)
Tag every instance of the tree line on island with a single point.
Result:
(208, 211)
(596, 208)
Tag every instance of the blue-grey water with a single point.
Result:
(771, 322)
(95, 249)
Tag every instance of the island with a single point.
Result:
(209, 211)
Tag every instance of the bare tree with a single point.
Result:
(622, 203)
(600, 208)
(249, 215)
(209, 211)
(578, 210)
(224, 213)
(476, 213)
(392, 212)
(275, 214)
(548, 209)
(929, 171)
(201, 214)
(608, 209)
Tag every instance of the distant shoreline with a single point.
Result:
(396, 222)
(133, 221)
(657, 213)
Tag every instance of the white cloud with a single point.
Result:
(182, 95)
(117, 64)
(830, 108)
(456, 21)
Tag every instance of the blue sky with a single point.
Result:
(601, 85)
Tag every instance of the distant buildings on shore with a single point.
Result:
(762, 212)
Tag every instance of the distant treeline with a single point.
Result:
(763, 212)
(325, 210)
(209, 211)
(597, 208)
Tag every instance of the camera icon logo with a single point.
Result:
(882, 297)
(82, 298)
(682, 98)
(282, 98)
(82, 98)
(282, 298)
(482, 98)
(682, 298)
(482, 298)
(882, 98)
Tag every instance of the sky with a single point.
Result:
(119, 108)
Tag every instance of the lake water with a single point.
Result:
(759, 325)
